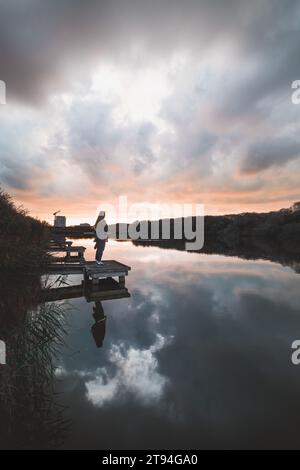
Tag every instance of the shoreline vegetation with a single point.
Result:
(23, 258)
(272, 235)
(33, 333)
(282, 225)
(23, 240)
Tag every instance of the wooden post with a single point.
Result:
(86, 283)
(122, 281)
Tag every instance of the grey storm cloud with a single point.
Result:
(269, 64)
(18, 160)
(44, 45)
(271, 152)
(91, 128)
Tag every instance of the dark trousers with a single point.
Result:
(100, 245)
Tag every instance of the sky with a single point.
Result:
(159, 101)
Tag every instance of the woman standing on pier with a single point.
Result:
(100, 240)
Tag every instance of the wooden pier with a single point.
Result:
(91, 271)
(98, 282)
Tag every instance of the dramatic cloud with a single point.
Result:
(161, 100)
(276, 151)
(47, 44)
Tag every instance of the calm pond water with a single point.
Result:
(198, 357)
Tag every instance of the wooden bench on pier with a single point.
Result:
(59, 244)
(68, 249)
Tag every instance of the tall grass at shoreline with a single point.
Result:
(23, 239)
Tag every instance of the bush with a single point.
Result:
(22, 238)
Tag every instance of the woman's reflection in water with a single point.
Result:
(99, 327)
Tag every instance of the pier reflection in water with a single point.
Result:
(104, 289)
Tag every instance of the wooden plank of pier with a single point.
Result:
(111, 268)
